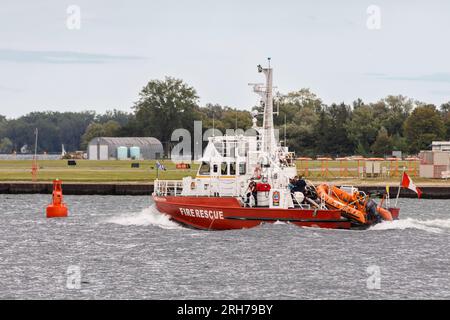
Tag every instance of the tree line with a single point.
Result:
(311, 127)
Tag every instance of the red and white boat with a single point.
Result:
(218, 198)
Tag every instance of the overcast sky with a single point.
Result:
(215, 46)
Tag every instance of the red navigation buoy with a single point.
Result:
(57, 209)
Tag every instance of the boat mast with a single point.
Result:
(266, 93)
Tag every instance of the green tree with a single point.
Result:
(323, 133)
(399, 143)
(361, 149)
(224, 118)
(3, 123)
(55, 128)
(302, 98)
(396, 111)
(445, 108)
(164, 106)
(6, 145)
(95, 130)
(424, 125)
(338, 140)
(300, 133)
(233, 118)
(445, 112)
(19, 132)
(362, 128)
(383, 144)
(119, 116)
(111, 128)
(302, 109)
(71, 127)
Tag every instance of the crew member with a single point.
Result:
(372, 214)
(252, 192)
(291, 185)
(289, 159)
(300, 184)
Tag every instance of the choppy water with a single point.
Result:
(123, 248)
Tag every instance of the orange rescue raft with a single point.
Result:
(353, 205)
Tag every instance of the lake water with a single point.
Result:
(113, 247)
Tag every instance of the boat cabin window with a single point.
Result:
(215, 168)
(204, 169)
(233, 152)
(232, 168)
(223, 168)
(242, 169)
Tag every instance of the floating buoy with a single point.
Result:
(57, 209)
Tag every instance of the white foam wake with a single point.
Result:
(434, 225)
(147, 217)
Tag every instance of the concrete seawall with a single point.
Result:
(78, 188)
(429, 192)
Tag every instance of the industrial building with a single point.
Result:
(440, 146)
(142, 148)
(435, 163)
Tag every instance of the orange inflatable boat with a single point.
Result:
(354, 206)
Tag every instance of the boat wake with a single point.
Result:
(434, 225)
(147, 217)
(151, 216)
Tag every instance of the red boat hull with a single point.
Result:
(218, 213)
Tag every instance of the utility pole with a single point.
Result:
(34, 165)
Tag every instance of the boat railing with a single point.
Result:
(299, 204)
(168, 187)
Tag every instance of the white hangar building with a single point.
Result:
(136, 148)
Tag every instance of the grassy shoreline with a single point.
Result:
(120, 172)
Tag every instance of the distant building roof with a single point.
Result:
(440, 146)
(127, 141)
(150, 148)
(440, 143)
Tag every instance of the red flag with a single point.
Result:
(409, 184)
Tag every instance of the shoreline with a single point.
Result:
(431, 191)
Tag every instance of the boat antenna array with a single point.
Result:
(265, 91)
